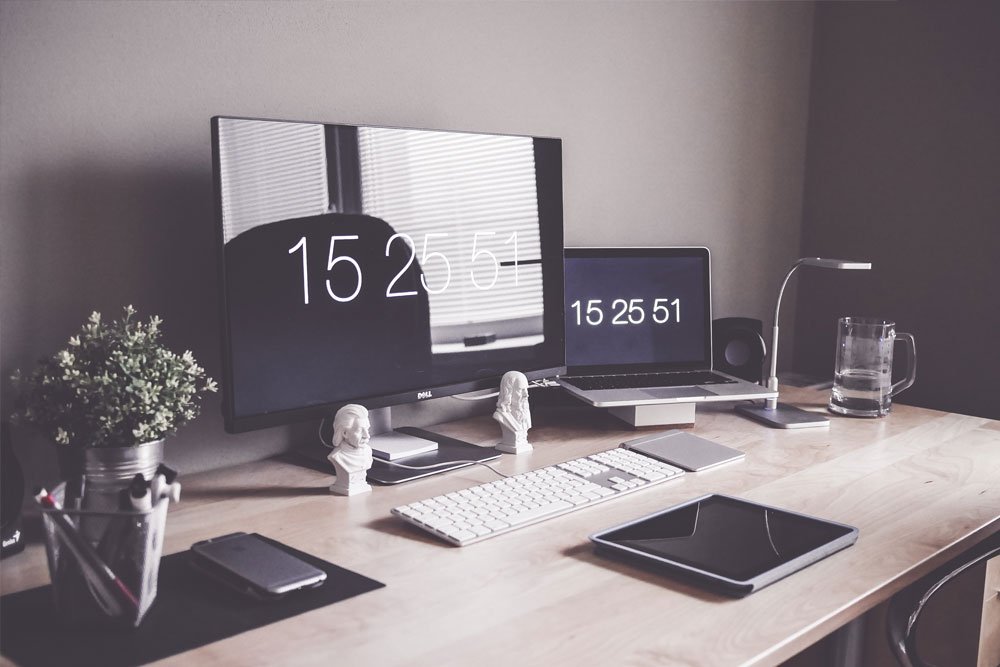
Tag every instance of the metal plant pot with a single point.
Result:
(108, 470)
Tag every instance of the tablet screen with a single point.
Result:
(726, 537)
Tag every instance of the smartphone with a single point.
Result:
(255, 566)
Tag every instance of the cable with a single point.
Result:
(319, 433)
(465, 397)
(534, 384)
(439, 465)
(402, 465)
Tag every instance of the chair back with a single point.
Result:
(907, 605)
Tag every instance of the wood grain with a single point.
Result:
(920, 485)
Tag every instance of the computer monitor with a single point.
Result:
(382, 266)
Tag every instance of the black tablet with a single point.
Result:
(730, 544)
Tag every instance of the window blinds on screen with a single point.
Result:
(270, 171)
(470, 206)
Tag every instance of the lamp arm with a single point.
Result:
(772, 380)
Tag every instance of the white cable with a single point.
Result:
(319, 433)
(466, 397)
(439, 465)
(534, 384)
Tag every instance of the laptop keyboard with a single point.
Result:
(642, 380)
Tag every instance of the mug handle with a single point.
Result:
(911, 364)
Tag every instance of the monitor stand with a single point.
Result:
(658, 414)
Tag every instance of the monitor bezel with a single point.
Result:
(552, 277)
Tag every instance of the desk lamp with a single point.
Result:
(779, 415)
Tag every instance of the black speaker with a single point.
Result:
(738, 347)
(11, 496)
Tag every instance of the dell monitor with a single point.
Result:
(382, 266)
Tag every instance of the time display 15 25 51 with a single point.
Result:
(486, 260)
(595, 312)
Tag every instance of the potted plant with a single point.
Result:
(109, 399)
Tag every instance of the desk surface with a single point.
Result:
(920, 485)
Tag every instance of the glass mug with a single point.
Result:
(862, 379)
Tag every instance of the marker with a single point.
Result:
(174, 492)
(105, 584)
(164, 485)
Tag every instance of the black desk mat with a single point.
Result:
(190, 611)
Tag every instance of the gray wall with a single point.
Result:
(682, 124)
(904, 169)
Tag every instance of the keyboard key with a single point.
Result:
(531, 515)
(460, 535)
(438, 523)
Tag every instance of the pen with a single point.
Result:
(105, 584)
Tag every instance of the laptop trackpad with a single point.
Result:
(675, 392)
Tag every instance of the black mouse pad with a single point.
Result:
(190, 611)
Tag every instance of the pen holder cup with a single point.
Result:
(103, 565)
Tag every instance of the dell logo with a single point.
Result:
(423, 394)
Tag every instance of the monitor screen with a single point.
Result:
(637, 309)
(381, 266)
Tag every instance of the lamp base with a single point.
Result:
(783, 416)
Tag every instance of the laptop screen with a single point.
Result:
(637, 310)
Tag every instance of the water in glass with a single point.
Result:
(862, 382)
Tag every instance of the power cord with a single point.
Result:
(534, 384)
(439, 465)
(480, 397)
(319, 433)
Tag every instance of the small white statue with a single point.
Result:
(351, 456)
(513, 413)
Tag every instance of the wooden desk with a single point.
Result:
(920, 485)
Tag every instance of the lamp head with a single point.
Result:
(834, 263)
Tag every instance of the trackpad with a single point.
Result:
(675, 392)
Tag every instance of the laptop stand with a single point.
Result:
(659, 414)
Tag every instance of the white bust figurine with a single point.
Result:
(351, 456)
(513, 413)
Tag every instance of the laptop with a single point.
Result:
(639, 329)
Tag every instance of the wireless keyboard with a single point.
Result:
(479, 512)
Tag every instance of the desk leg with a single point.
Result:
(848, 643)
